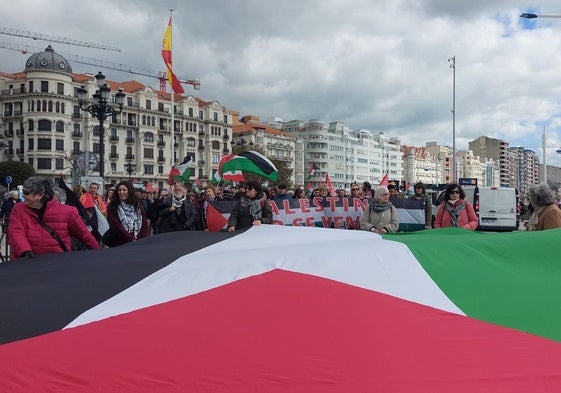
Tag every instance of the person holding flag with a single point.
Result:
(251, 209)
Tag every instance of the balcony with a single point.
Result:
(129, 157)
(17, 113)
(9, 133)
(75, 152)
(77, 134)
(129, 140)
(76, 115)
(132, 123)
(201, 146)
(161, 160)
(19, 152)
(225, 136)
(114, 138)
(161, 144)
(20, 132)
(113, 156)
(7, 113)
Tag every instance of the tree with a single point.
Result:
(19, 171)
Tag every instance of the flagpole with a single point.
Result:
(172, 95)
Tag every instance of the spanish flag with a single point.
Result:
(166, 55)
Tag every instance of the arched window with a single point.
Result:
(38, 106)
(148, 137)
(44, 106)
(191, 142)
(215, 145)
(50, 106)
(62, 108)
(44, 125)
(57, 107)
(59, 126)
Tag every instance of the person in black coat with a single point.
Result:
(178, 212)
(7, 206)
(251, 209)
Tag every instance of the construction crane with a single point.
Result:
(52, 38)
(161, 76)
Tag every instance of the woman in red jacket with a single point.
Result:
(455, 211)
(36, 223)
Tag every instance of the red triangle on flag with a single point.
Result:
(215, 221)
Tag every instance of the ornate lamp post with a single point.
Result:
(101, 108)
(130, 168)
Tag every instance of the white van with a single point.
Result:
(496, 207)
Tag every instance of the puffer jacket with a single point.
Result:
(26, 234)
(467, 218)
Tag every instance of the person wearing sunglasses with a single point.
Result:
(42, 225)
(252, 209)
(455, 211)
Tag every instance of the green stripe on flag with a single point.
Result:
(510, 279)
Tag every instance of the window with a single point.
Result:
(160, 169)
(31, 86)
(113, 167)
(43, 163)
(191, 142)
(60, 90)
(95, 130)
(44, 125)
(191, 112)
(113, 150)
(30, 125)
(161, 107)
(129, 134)
(96, 148)
(148, 153)
(45, 88)
(201, 115)
(215, 116)
(129, 101)
(76, 148)
(59, 163)
(149, 104)
(215, 145)
(60, 126)
(59, 145)
(44, 144)
(57, 107)
(31, 144)
(148, 169)
(148, 137)
(215, 158)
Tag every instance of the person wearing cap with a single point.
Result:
(421, 195)
(252, 209)
(281, 193)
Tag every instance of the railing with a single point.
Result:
(129, 157)
(76, 134)
(129, 140)
(114, 138)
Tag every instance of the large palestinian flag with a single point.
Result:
(288, 309)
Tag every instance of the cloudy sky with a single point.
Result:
(371, 64)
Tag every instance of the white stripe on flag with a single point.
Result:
(358, 258)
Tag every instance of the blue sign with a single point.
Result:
(8, 179)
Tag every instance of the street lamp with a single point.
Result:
(101, 109)
(452, 61)
(130, 168)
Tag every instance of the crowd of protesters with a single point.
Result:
(132, 214)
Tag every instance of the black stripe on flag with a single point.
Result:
(48, 292)
(260, 160)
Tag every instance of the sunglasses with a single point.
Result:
(354, 189)
(249, 188)
(26, 192)
(455, 192)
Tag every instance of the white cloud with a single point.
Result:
(378, 65)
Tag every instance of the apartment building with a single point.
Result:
(42, 124)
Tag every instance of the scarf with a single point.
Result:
(454, 211)
(533, 221)
(254, 206)
(379, 207)
(131, 218)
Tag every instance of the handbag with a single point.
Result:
(53, 234)
(109, 238)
